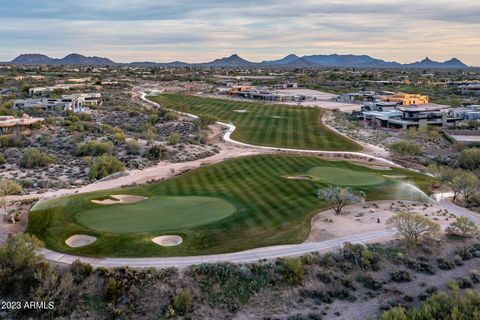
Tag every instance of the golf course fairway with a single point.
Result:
(273, 125)
(235, 205)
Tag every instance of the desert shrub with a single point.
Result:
(174, 138)
(157, 152)
(358, 255)
(445, 264)
(464, 283)
(80, 270)
(292, 270)
(19, 263)
(2, 159)
(183, 301)
(420, 265)
(320, 296)
(405, 149)
(400, 276)
(104, 166)
(463, 227)
(94, 148)
(205, 120)
(228, 285)
(369, 282)
(469, 159)
(132, 147)
(113, 290)
(34, 158)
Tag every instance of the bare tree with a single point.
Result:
(339, 197)
(413, 227)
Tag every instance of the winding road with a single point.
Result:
(252, 255)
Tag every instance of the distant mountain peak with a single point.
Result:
(235, 61)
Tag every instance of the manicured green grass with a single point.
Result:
(270, 208)
(264, 124)
(156, 214)
(345, 177)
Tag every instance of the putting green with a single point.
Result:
(156, 214)
(344, 177)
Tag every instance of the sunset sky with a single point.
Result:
(201, 30)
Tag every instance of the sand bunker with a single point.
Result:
(277, 117)
(299, 178)
(241, 111)
(168, 241)
(80, 240)
(120, 198)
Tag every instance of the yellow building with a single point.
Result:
(406, 99)
(237, 89)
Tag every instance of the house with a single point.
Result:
(72, 102)
(9, 124)
(470, 89)
(405, 99)
(379, 106)
(410, 117)
(468, 113)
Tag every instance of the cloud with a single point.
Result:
(402, 30)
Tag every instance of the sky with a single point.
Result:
(202, 30)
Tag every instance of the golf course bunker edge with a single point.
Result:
(168, 240)
(80, 240)
(156, 214)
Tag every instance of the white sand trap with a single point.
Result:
(241, 111)
(277, 117)
(120, 198)
(299, 178)
(394, 177)
(80, 240)
(168, 241)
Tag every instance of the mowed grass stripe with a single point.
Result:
(270, 209)
(299, 128)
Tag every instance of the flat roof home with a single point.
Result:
(9, 124)
(71, 102)
(406, 99)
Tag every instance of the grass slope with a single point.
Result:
(264, 124)
(271, 209)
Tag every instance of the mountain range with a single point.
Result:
(291, 61)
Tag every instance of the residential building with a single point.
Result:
(470, 89)
(379, 106)
(408, 117)
(467, 113)
(406, 99)
(44, 91)
(9, 124)
(72, 102)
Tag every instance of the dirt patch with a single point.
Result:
(168, 241)
(120, 198)
(369, 217)
(80, 240)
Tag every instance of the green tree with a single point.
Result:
(413, 227)
(463, 227)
